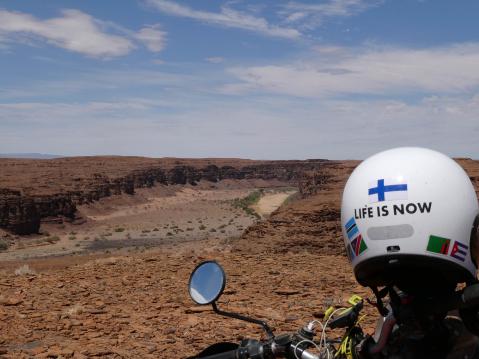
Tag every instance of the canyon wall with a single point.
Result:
(22, 210)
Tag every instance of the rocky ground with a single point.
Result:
(285, 269)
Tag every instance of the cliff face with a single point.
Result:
(32, 191)
(22, 210)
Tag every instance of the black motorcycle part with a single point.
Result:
(470, 318)
(216, 348)
(265, 325)
(348, 318)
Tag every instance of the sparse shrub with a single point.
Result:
(72, 233)
(222, 226)
(25, 270)
(189, 222)
(3, 245)
(222, 231)
(202, 227)
(246, 202)
(212, 230)
(189, 229)
(155, 229)
(145, 231)
(119, 229)
(108, 234)
(72, 238)
(86, 238)
(169, 234)
(52, 239)
(77, 244)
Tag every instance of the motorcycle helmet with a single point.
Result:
(409, 218)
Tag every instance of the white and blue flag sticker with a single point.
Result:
(387, 189)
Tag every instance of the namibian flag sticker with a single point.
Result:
(358, 245)
(438, 245)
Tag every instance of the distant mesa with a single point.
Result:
(39, 156)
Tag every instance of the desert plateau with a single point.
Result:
(97, 251)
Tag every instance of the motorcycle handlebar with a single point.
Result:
(243, 353)
(232, 354)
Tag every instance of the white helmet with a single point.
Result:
(408, 217)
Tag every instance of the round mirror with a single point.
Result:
(207, 282)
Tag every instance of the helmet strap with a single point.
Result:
(380, 294)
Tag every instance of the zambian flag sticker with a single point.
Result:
(438, 245)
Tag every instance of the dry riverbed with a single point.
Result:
(160, 216)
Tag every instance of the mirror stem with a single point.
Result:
(265, 326)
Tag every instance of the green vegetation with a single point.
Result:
(246, 202)
(3, 245)
(202, 227)
(53, 239)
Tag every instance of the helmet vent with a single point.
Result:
(393, 249)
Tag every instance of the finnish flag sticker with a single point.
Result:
(387, 189)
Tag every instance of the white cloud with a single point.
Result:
(228, 17)
(376, 71)
(79, 32)
(270, 128)
(74, 31)
(153, 38)
(215, 59)
(310, 16)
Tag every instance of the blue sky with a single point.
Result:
(254, 79)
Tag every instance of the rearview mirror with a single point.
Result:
(207, 282)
